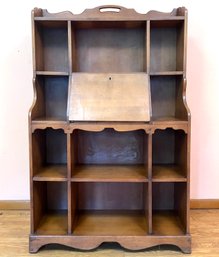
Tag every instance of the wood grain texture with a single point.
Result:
(113, 48)
(97, 97)
(53, 223)
(52, 173)
(166, 223)
(167, 173)
(110, 196)
(109, 173)
(109, 223)
(110, 147)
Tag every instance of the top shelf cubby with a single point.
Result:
(167, 46)
(51, 46)
(108, 46)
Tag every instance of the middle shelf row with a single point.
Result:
(110, 156)
(166, 96)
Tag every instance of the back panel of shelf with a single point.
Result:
(110, 147)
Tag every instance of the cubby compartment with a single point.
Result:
(109, 46)
(109, 209)
(167, 46)
(109, 155)
(167, 98)
(51, 46)
(170, 213)
(49, 158)
(169, 155)
(50, 208)
(51, 98)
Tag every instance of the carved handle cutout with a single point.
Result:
(110, 9)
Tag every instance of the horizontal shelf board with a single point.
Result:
(52, 73)
(50, 120)
(167, 119)
(43, 18)
(165, 73)
(109, 173)
(53, 223)
(167, 173)
(111, 223)
(52, 173)
(163, 19)
(166, 223)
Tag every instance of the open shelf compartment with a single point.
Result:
(167, 99)
(51, 46)
(109, 46)
(169, 215)
(167, 46)
(51, 99)
(109, 209)
(169, 156)
(109, 155)
(50, 213)
(49, 155)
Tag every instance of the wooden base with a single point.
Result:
(128, 242)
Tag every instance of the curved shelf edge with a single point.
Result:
(119, 13)
(120, 127)
(184, 98)
(128, 242)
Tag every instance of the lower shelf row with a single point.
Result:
(115, 209)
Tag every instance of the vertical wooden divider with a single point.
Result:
(69, 150)
(148, 47)
(70, 48)
(69, 170)
(149, 163)
(150, 183)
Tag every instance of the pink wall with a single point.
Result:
(16, 89)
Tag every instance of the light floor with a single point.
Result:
(14, 230)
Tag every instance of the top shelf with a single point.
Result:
(109, 46)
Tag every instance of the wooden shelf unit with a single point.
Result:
(121, 179)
